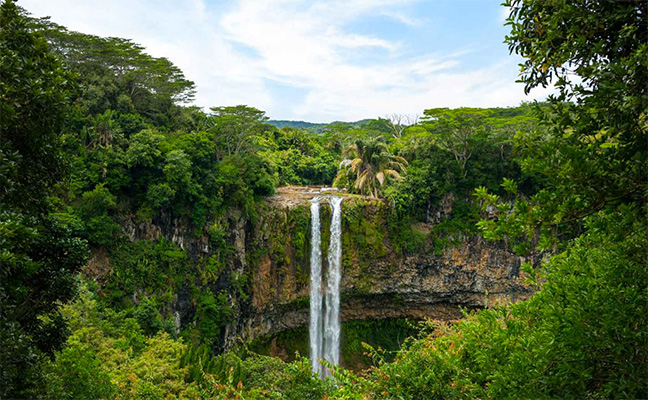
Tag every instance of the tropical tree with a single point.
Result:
(117, 74)
(372, 164)
(594, 157)
(398, 123)
(39, 251)
(458, 131)
(236, 128)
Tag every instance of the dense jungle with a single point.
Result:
(152, 249)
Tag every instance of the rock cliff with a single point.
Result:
(383, 276)
(379, 281)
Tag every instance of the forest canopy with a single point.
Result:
(99, 139)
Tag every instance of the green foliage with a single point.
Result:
(108, 356)
(212, 313)
(153, 268)
(177, 170)
(97, 202)
(116, 74)
(372, 165)
(236, 128)
(300, 158)
(363, 233)
(464, 132)
(78, 373)
(593, 157)
(39, 252)
(155, 372)
(35, 91)
(137, 153)
(95, 208)
(458, 131)
(245, 179)
(212, 270)
(148, 317)
(579, 337)
(159, 195)
(144, 149)
(252, 376)
(452, 152)
(299, 223)
(102, 230)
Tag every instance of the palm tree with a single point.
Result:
(372, 164)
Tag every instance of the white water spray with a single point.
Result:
(315, 331)
(324, 332)
(332, 316)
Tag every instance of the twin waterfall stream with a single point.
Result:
(324, 329)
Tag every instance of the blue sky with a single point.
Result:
(318, 61)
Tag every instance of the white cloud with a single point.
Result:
(504, 13)
(404, 19)
(302, 44)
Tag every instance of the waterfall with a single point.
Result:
(332, 317)
(315, 331)
(325, 335)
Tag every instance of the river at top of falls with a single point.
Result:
(324, 332)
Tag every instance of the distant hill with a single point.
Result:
(295, 124)
(312, 126)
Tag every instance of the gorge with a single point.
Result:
(377, 282)
(151, 248)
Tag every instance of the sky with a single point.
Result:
(318, 61)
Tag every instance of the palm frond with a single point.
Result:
(360, 183)
(351, 149)
(380, 176)
(392, 173)
(355, 163)
(400, 159)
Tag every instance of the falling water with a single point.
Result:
(315, 331)
(325, 335)
(332, 317)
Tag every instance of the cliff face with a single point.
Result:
(379, 280)
(382, 276)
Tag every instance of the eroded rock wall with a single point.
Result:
(378, 279)
(382, 277)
